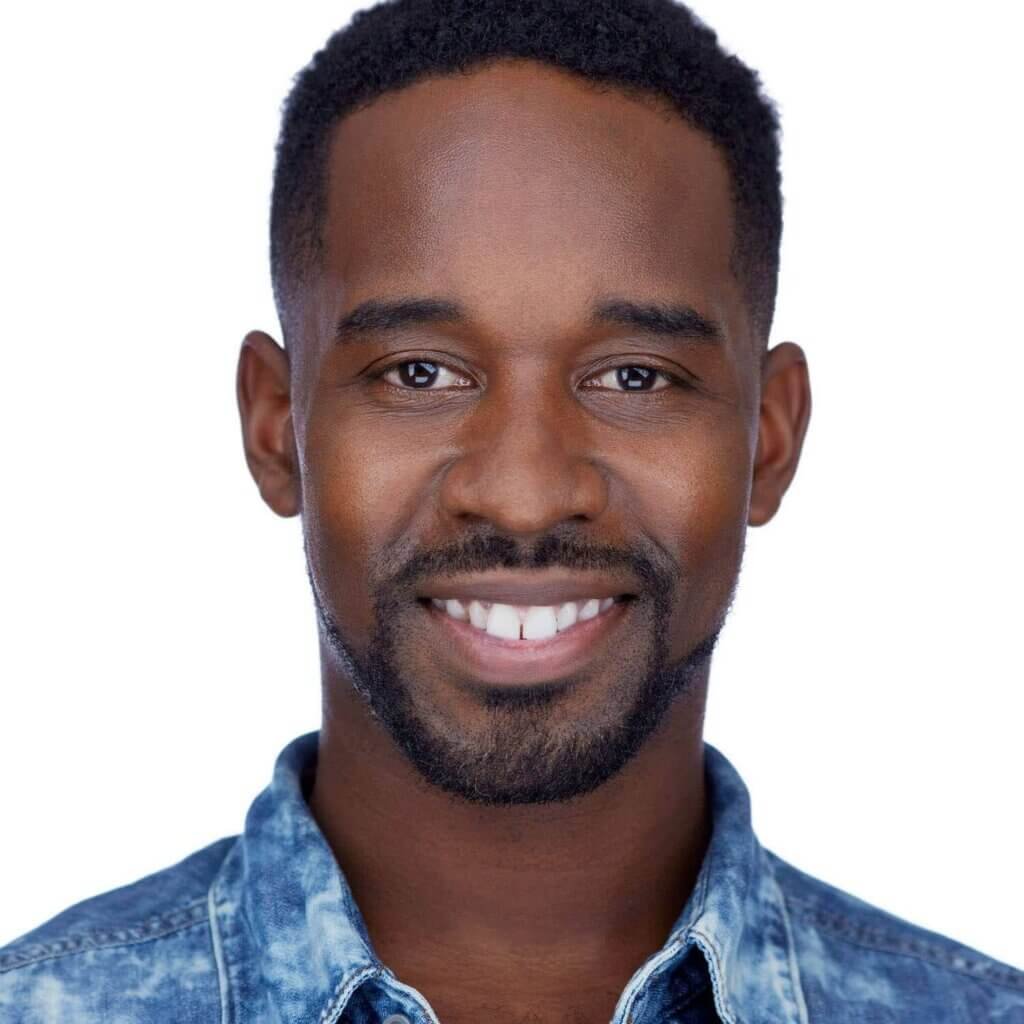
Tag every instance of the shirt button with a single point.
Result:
(396, 1018)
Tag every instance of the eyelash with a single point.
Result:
(672, 379)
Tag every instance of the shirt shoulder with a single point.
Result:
(858, 962)
(133, 953)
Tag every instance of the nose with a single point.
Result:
(525, 464)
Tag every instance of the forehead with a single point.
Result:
(526, 193)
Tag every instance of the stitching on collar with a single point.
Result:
(343, 992)
(155, 927)
(883, 941)
(223, 981)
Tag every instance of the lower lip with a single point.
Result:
(507, 662)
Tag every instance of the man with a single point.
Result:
(525, 258)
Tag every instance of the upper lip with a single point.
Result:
(524, 589)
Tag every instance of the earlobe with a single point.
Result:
(263, 386)
(784, 414)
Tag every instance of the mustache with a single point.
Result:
(403, 567)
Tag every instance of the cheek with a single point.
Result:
(357, 501)
(695, 504)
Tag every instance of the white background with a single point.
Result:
(158, 640)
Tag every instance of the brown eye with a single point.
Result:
(422, 375)
(633, 378)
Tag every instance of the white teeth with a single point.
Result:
(567, 615)
(503, 621)
(478, 614)
(539, 624)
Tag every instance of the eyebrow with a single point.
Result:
(659, 318)
(393, 314)
(664, 318)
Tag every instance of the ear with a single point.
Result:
(264, 403)
(785, 411)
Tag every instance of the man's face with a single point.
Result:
(528, 451)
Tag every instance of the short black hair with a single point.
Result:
(653, 47)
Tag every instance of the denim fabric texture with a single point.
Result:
(262, 928)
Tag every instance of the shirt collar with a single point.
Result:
(290, 940)
(288, 933)
(736, 913)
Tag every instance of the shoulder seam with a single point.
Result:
(884, 941)
(155, 927)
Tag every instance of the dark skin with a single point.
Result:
(524, 196)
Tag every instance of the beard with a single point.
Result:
(527, 752)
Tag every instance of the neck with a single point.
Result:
(590, 885)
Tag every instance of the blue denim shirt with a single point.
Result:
(263, 928)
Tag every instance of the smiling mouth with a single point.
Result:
(505, 645)
(524, 622)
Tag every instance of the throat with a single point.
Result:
(504, 998)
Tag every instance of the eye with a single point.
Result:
(631, 378)
(422, 375)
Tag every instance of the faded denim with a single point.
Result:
(263, 929)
